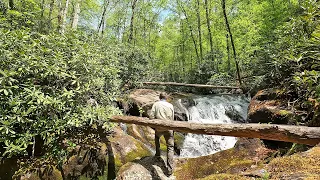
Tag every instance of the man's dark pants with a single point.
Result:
(168, 136)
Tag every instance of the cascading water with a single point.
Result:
(215, 109)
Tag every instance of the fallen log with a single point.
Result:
(190, 85)
(287, 133)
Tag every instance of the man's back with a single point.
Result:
(162, 110)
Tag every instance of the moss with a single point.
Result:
(306, 164)
(117, 162)
(224, 176)
(178, 139)
(228, 161)
(284, 113)
(140, 152)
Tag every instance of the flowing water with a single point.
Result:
(214, 109)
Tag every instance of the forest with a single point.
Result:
(58, 56)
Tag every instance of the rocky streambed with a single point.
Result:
(127, 153)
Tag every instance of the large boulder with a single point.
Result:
(141, 101)
(267, 107)
(147, 168)
(246, 154)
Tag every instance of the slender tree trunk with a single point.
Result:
(232, 43)
(191, 34)
(76, 15)
(62, 17)
(183, 49)
(199, 30)
(101, 23)
(103, 27)
(42, 9)
(209, 32)
(133, 6)
(228, 52)
(51, 6)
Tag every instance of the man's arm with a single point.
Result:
(172, 109)
(153, 112)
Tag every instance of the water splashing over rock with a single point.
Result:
(215, 109)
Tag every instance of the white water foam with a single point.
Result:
(212, 109)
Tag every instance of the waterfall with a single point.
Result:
(214, 109)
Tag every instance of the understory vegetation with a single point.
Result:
(64, 63)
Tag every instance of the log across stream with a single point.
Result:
(287, 133)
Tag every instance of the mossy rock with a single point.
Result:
(246, 154)
(228, 161)
(302, 166)
(140, 152)
(225, 176)
(48, 173)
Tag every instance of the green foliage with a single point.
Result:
(51, 84)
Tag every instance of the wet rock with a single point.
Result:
(147, 168)
(181, 108)
(233, 114)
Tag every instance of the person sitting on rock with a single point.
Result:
(164, 110)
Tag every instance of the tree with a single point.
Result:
(231, 38)
(209, 31)
(76, 15)
(133, 7)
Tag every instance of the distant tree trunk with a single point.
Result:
(76, 15)
(63, 16)
(232, 43)
(51, 6)
(42, 9)
(103, 17)
(183, 49)
(191, 34)
(199, 30)
(209, 32)
(228, 51)
(60, 15)
(11, 4)
(133, 7)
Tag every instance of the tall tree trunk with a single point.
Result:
(232, 43)
(76, 15)
(60, 15)
(183, 48)
(191, 33)
(209, 31)
(228, 52)
(51, 6)
(63, 16)
(133, 7)
(101, 23)
(41, 25)
(199, 30)
(42, 9)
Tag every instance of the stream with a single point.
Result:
(214, 109)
